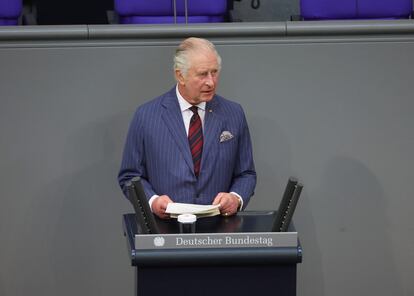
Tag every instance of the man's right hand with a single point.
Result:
(159, 206)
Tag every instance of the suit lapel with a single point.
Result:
(213, 123)
(173, 119)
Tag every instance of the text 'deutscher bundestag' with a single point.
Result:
(216, 240)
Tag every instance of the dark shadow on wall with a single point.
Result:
(273, 158)
(311, 280)
(355, 223)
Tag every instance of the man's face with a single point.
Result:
(200, 82)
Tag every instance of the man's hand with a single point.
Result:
(159, 205)
(229, 203)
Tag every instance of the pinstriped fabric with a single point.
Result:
(157, 149)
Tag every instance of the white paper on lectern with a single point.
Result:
(177, 208)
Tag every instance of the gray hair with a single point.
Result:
(192, 44)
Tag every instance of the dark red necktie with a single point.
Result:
(195, 139)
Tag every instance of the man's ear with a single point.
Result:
(179, 77)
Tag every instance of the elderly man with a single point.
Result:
(191, 145)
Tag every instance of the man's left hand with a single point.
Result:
(229, 203)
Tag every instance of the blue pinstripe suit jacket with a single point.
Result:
(157, 150)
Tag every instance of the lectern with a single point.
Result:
(237, 255)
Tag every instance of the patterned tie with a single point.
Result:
(195, 139)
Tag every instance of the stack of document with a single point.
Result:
(176, 208)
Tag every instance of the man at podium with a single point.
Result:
(191, 145)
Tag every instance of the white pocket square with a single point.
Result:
(225, 136)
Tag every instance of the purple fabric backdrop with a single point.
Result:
(162, 11)
(355, 9)
(10, 11)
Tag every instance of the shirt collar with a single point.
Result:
(184, 105)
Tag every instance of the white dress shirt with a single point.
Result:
(187, 113)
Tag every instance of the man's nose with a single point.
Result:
(209, 79)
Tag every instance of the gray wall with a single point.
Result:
(334, 109)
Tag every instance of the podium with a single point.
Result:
(198, 267)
